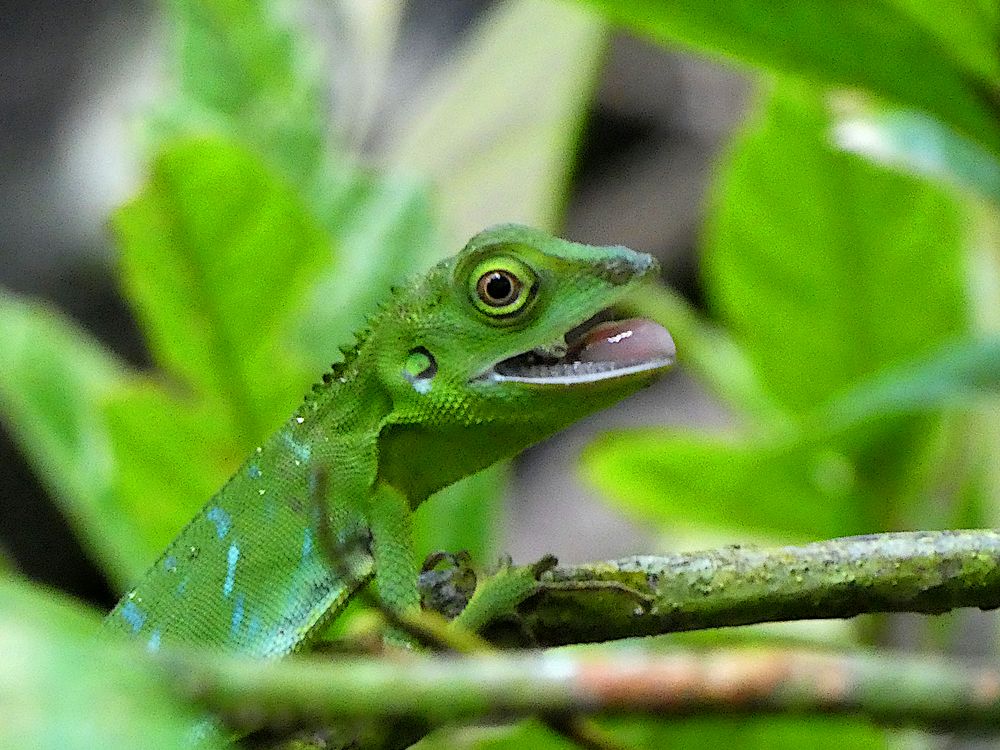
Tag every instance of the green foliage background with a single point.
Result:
(852, 286)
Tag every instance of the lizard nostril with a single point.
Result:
(626, 266)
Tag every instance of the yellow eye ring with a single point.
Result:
(501, 287)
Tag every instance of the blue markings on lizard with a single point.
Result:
(302, 451)
(237, 614)
(254, 628)
(153, 645)
(307, 543)
(221, 519)
(231, 559)
(133, 616)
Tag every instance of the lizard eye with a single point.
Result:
(502, 287)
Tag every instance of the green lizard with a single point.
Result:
(488, 353)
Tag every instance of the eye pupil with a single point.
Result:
(499, 288)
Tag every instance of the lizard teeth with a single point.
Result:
(600, 351)
(569, 373)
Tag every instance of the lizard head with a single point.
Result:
(510, 341)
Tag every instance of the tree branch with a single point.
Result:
(928, 572)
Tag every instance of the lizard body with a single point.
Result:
(463, 367)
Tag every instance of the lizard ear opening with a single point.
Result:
(420, 367)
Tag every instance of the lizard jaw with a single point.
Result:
(591, 353)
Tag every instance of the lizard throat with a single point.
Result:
(592, 352)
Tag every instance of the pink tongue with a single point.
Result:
(627, 342)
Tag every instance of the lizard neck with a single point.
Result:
(353, 404)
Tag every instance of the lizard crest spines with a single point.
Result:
(339, 371)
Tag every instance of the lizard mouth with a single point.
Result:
(598, 349)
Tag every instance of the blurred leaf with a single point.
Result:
(745, 732)
(771, 486)
(881, 46)
(63, 686)
(246, 70)
(800, 483)
(385, 235)
(955, 374)
(965, 29)
(751, 733)
(821, 263)
(175, 450)
(53, 377)
(217, 254)
(496, 129)
(254, 74)
(464, 516)
(917, 143)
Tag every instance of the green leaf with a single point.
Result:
(53, 377)
(811, 482)
(964, 28)
(639, 733)
(385, 234)
(751, 732)
(772, 486)
(64, 686)
(496, 129)
(880, 46)
(217, 254)
(914, 142)
(821, 263)
(246, 71)
(958, 374)
(175, 450)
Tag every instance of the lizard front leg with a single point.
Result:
(396, 573)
